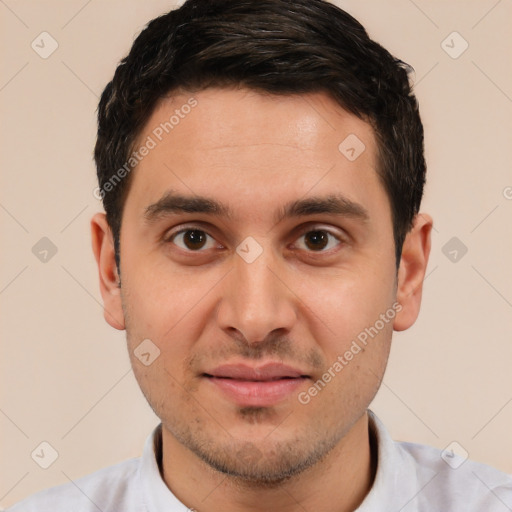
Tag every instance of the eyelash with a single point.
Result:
(309, 229)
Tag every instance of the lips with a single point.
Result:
(263, 385)
(269, 371)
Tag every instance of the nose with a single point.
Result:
(256, 299)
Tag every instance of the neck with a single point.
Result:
(337, 483)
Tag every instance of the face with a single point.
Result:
(263, 294)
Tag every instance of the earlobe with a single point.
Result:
(411, 273)
(103, 249)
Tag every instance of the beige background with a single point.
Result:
(65, 374)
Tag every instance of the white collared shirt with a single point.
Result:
(410, 478)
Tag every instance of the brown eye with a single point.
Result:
(191, 239)
(317, 240)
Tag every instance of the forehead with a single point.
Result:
(250, 149)
(300, 121)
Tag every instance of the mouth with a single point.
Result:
(259, 386)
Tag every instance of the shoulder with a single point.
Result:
(414, 477)
(456, 481)
(105, 489)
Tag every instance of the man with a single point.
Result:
(261, 167)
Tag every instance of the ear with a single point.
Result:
(103, 248)
(411, 272)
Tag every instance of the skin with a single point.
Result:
(298, 303)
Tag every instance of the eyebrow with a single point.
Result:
(334, 204)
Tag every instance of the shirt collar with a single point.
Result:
(155, 493)
(397, 481)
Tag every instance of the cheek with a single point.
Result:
(344, 305)
(355, 367)
(162, 303)
(164, 389)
